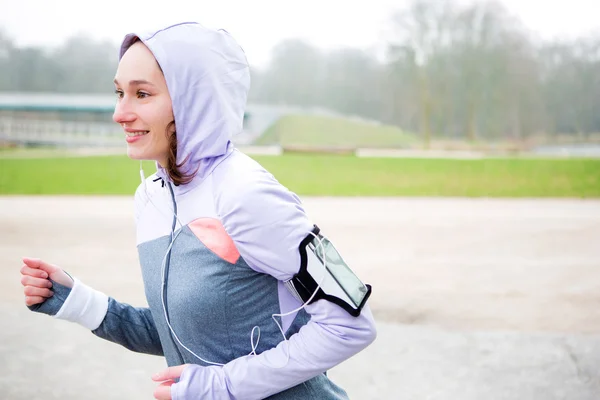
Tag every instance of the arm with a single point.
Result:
(71, 300)
(267, 224)
(327, 340)
(121, 323)
(131, 327)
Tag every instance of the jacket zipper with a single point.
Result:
(167, 264)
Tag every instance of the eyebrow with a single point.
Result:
(136, 82)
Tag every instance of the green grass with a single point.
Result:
(509, 177)
(329, 175)
(319, 131)
(110, 175)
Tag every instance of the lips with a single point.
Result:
(135, 133)
(133, 136)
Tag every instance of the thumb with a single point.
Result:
(39, 264)
(169, 373)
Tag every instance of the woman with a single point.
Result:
(247, 299)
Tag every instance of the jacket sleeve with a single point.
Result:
(267, 224)
(131, 327)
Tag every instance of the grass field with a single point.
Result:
(319, 131)
(329, 175)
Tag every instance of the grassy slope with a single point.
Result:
(318, 131)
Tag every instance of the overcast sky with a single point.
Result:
(260, 24)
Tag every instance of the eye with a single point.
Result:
(119, 93)
(142, 95)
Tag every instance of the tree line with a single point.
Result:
(450, 70)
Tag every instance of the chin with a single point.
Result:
(136, 154)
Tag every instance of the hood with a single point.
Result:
(208, 79)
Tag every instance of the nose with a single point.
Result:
(123, 112)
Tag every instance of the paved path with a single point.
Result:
(494, 299)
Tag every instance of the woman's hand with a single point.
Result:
(167, 377)
(35, 277)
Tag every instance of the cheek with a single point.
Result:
(165, 112)
(160, 120)
(162, 117)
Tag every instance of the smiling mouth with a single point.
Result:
(134, 134)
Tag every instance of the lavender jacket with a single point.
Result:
(237, 232)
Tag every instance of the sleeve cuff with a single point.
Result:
(84, 306)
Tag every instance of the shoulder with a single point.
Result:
(242, 184)
(266, 220)
(240, 172)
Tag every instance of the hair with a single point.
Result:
(173, 169)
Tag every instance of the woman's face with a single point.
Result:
(144, 106)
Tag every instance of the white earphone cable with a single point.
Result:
(253, 345)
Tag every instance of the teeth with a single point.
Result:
(133, 134)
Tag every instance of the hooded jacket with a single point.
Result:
(215, 252)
